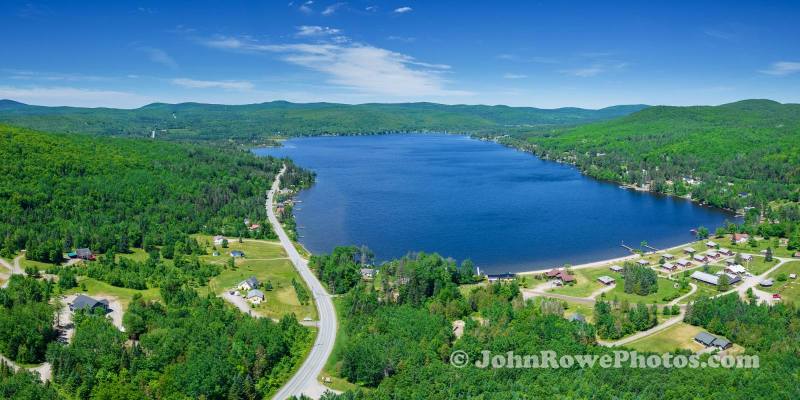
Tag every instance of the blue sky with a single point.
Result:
(523, 53)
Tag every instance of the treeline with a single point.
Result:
(60, 192)
(260, 123)
(617, 319)
(639, 279)
(26, 319)
(187, 347)
(132, 274)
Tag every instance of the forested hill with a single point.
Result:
(59, 192)
(257, 121)
(743, 153)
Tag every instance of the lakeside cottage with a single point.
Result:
(713, 254)
(507, 277)
(606, 280)
(616, 268)
(689, 250)
(367, 273)
(710, 244)
(735, 269)
(684, 263)
(747, 257)
(669, 267)
(700, 258)
(643, 262)
(560, 275)
(740, 238)
(667, 256)
(713, 279)
(725, 251)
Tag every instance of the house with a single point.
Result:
(740, 238)
(507, 277)
(606, 280)
(721, 343)
(237, 253)
(555, 272)
(367, 273)
(705, 338)
(725, 251)
(84, 254)
(255, 296)
(88, 304)
(711, 245)
(616, 268)
(667, 256)
(254, 227)
(747, 257)
(567, 278)
(700, 258)
(767, 282)
(560, 275)
(248, 284)
(689, 250)
(735, 269)
(792, 276)
(669, 266)
(643, 262)
(683, 263)
(218, 240)
(713, 254)
(713, 279)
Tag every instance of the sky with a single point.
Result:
(544, 54)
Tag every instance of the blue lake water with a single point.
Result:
(463, 198)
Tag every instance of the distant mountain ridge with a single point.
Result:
(254, 121)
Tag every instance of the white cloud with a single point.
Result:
(200, 84)
(403, 10)
(71, 96)
(782, 68)
(514, 76)
(160, 57)
(306, 7)
(313, 30)
(371, 8)
(331, 9)
(595, 69)
(359, 67)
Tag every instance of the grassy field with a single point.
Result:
(95, 287)
(678, 336)
(777, 250)
(789, 289)
(759, 265)
(587, 281)
(267, 262)
(665, 288)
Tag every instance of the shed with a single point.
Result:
(705, 338)
(606, 280)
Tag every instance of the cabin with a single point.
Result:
(711, 245)
(577, 317)
(248, 284)
(606, 280)
(560, 275)
(725, 251)
(219, 239)
(767, 282)
(722, 343)
(735, 269)
(255, 296)
(747, 257)
(700, 258)
(669, 267)
(367, 273)
(667, 256)
(713, 279)
(615, 268)
(643, 262)
(507, 277)
(792, 276)
(567, 278)
(237, 253)
(683, 263)
(554, 272)
(713, 254)
(689, 250)
(709, 340)
(740, 238)
(254, 227)
(84, 254)
(88, 304)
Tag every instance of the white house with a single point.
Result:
(218, 240)
(255, 296)
(735, 269)
(248, 284)
(669, 266)
(683, 262)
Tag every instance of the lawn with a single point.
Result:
(759, 265)
(252, 249)
(587, 281)
(789, 289)
(95, 287)
(678, 336)
(779, 251)
(282, 299)
(665, 288)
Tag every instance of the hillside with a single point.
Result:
(257, 121)
(744, 153)
(58, 192)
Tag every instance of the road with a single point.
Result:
(305, 380)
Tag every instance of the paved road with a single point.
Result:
(305, 380)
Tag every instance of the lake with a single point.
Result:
(506, 210)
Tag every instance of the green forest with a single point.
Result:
(260, 122)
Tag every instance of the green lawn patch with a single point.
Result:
(678, 336)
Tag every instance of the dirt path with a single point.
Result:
(636, 336)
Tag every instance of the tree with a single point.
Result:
(702, 233)
(768, 255)
(224, 243)
(724, 283)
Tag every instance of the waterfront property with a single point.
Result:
(606, 280)
(712, 279)
(506, 277)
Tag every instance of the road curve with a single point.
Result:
(305, 380)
